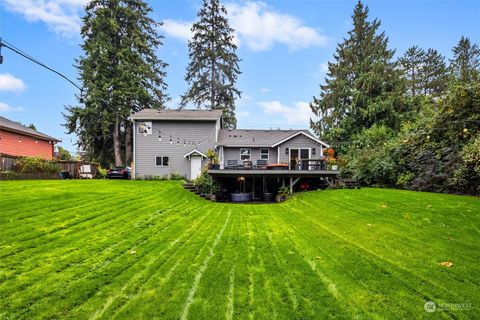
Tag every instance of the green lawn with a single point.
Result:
(146, 249)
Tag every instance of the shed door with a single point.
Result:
(195, 166)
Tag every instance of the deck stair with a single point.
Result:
(191, 187)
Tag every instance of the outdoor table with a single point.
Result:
(278, 166)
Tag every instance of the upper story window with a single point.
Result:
(162, 161)
(244, 154)
(264, 154)
(145, 127)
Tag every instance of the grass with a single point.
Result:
(146, 249)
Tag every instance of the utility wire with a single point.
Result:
(7, 45)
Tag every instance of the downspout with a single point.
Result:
(134, 151)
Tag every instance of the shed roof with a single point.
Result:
(259, 138)
(10, 125)
(177, 114)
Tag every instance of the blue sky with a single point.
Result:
(284, 47)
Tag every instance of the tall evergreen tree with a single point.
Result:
(363, 85)
(213, 68)
(120, 73)
(434, 75)
(465, 64)
(411, 63)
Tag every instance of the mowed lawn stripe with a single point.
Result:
(65, 278)
(416, 288)
(147, 270)
(93, 245)
(173, 292)
(409, 255)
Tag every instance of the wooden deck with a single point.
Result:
(272, 173)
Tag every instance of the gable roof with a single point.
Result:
(195, 152)
(177, 114)
(260, 138)
(304, 133)
(9, 125)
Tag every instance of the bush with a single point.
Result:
(101, 173)
(153, 178)
(36, 165)
(205, 184)
(176, 176)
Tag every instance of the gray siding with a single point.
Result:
(233, 153)
(148, 147)
(301, 142)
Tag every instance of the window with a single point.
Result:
(161, 161)
(244, 154)
(264, 154)
(145, 127)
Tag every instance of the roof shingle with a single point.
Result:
(10, 125)
(176, 114)
(255, 138)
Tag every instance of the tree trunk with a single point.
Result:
(128, 143)
(116, 143)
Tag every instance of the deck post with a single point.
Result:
(253, 187)
(291, 185)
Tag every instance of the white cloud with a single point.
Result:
(298, 114)
(6, 108)
(177, 29)
(265, 90)
(258, 27)
(61, 16)
(9, 82)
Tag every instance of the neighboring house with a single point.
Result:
(177, 141)
(19, 140)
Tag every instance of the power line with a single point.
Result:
(7, 45)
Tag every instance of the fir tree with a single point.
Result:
(465, 65)
(120, 73)
(213, 68)
(363, 85)
(411, 64)
(434, 75)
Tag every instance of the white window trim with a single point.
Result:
(162, 166)
(249, 154)
(268, 153)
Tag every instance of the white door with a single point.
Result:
(195, 166)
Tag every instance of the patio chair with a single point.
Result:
(232, 164)
(261, 164)
(86, 171)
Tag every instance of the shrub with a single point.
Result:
(205, 183)
(101, 173)
(176, 176)
(36, 165)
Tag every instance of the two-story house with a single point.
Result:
(177, 141)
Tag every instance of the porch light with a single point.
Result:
(241, 178)
(184, 144)
(178, 141)
(171, 140)
(160, 137)
(286, 150)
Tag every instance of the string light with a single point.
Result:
(160, 137)
(184, 143)
(171, 140)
